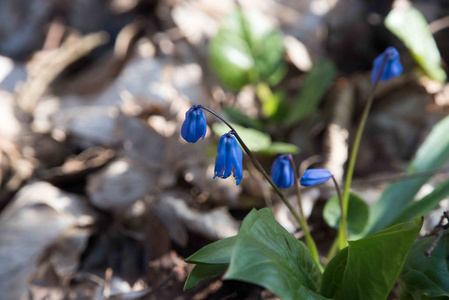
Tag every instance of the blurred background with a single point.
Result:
(100, 198)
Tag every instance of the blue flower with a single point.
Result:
(282, 172)
(315, 176)
(229, 158)
(392, 68)
(194, 126)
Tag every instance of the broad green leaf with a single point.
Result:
(432, 154)
(280, 148)
(422, 276)
(218, 252)
(368, 269)
(358, 213)
(426, 204)
(306, 294)
(246, 49)
(203, 271)
(315, 86)
(410, 26)
(333, 275)
(267, 255)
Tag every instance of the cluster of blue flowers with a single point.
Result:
(229, 158)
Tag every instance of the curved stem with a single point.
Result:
(268, 178)
(309, 240)
(343, 234)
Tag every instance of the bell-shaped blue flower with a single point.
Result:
(392, 67)
(315, 176)
(194, 126)
(282, 172)
(229, 158)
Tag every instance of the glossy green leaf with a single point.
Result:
(306, 294)
(410, 26)
(426, 204)
(422, 276)
(432, 154)
(368, 269)
(203, 271)
(315, 86)
(246, 49)
(267, 255)
(358, 213)
(218, 252)
(333, 275)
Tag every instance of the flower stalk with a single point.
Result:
(300, 219)
(343, 231)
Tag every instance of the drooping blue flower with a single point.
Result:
(392, 68)
(229, 158)
(315, 176)
(282, 172)
(194, 126)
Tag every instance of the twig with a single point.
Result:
(438, 232)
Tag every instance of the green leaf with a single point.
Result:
(315, 86)
(371, 265)
(426, 204)
(203, 271)
(280, 148)
(424, 276)
(410, 26)
(267, 255)
(333, 275)
(270, 102)
(246, 49)
(218, 252)
(358, 213)
(432, 154)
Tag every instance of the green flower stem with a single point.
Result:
(309, 240)
(343, 231)
(259, 167)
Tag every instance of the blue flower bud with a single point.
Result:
(282, 172)
(315, 176)
(194, 126)
(229, 158)
(392, 67)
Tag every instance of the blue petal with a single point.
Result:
(220, 160)
(229, 158)
(392, 67)
(282, 172)
(194, 126)
(237, 157)
(315, 176)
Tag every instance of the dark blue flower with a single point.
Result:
(392, 68)
(229, 158)
(194, 126)
(315, 176)
(282, 172)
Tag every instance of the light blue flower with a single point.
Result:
(392, 68)
(315, 176)
(282, 172)
(229, 158)
(194, 126)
